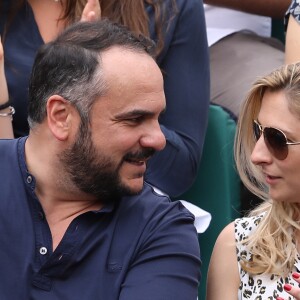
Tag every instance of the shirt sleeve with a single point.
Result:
(185, 66)
(167, 264)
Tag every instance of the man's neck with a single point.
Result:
(62, 202)
(60, 214)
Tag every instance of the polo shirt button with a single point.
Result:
(43, 250)
(41, 215)
(29, 179)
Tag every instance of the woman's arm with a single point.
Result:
(185, 66)
(292, 45)
(269, 8)
(6, 130)
(223, 274)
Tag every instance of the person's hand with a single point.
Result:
(91, 11)
(292, 290)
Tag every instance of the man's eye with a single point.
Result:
(135, 120)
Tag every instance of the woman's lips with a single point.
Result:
(271, 179)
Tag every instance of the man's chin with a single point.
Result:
(135, 186)
(134, 191)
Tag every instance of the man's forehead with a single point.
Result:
(121, 57)
(120, 50)
(123, 68)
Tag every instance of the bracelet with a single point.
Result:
(5, 105)
(8, 114)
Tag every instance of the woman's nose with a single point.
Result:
(260, 153)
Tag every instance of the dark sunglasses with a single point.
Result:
(275, 140)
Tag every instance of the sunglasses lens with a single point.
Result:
(276, 142)
(256, 131)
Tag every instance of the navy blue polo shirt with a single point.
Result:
(143, 247)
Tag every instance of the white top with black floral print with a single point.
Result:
(258, 287)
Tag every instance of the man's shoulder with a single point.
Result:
(151, 206)
(8, 146)
(150, 217)
(10, 152)
(11, 156)
(151, 198)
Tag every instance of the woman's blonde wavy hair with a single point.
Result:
(273, 244)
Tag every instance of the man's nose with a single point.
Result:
(154, 138)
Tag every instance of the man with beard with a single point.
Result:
(77, 219)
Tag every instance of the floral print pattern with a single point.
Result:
(258, 287)
(293, 10)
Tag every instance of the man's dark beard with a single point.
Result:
(94, 173)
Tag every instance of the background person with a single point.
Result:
(240, 45)
(178, 27)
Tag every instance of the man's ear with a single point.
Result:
(60, 115)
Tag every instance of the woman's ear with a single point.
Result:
(60, 115)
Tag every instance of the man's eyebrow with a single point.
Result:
(137, 112)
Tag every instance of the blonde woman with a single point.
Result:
(257, 257)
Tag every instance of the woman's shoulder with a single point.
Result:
(238, 231)
(245, 226)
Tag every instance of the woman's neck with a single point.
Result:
(48, 15)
